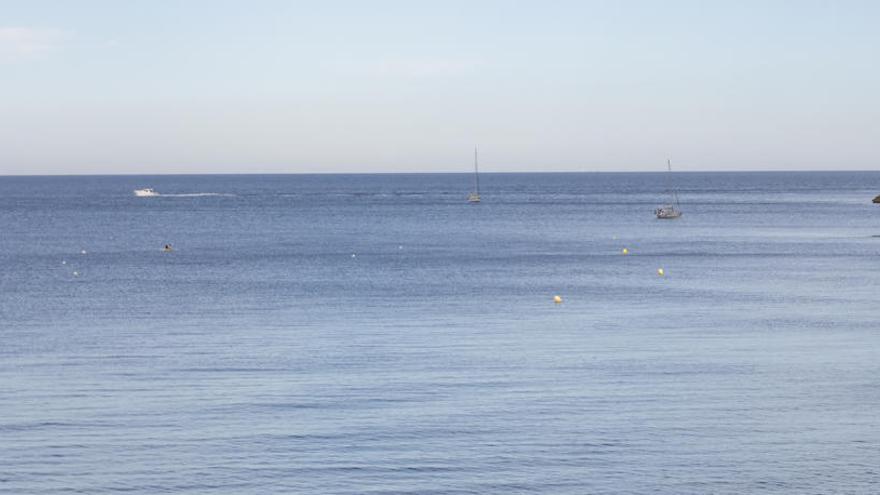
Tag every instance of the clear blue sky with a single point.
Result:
(323, 86)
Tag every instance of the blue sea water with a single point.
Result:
(349, 334)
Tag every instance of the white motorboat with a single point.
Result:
(145, 193)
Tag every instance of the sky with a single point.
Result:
(161, 86)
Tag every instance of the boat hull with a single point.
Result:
(667, 213)
(668, 217)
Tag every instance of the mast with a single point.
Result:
(476, 173)
(671, 188)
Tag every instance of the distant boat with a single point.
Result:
(474, 196)
(145, 193)
(673, 209)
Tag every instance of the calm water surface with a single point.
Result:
(376, 334)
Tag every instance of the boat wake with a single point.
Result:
(195, 195)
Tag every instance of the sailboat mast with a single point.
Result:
(671, 188)
(476, 173)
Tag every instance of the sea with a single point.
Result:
(377, 334)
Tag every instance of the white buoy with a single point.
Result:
(76, 274)
(63, 262)
(353, 255)
(82, 252)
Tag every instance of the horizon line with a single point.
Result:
(725, 171)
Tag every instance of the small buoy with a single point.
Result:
(625, 251)
(76, 274)
(399, 247)
(63, 262)
(353, 255)
(82, 252)
(660, 272)
(557, 299)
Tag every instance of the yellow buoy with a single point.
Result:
(625, 251)
(557, 299)
(660, 272)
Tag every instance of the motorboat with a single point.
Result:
(145, 193)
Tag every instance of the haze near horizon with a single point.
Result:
(102, 87)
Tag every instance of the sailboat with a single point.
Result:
(671, 210)
(474, 196)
